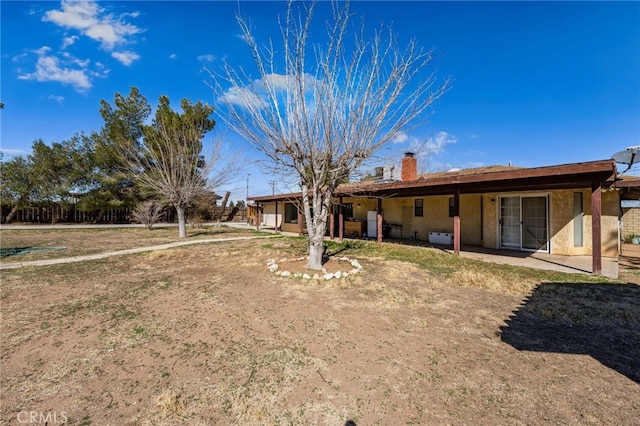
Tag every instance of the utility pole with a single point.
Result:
(273, 186)
(247, 199)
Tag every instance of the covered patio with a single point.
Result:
(593, 178)
(594, 175)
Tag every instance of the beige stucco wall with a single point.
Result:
(490, 212)
(401, 211)
(270, 208)
(471, 220)
(562, 224)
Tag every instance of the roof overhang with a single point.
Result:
(565, 176)
(629, 187)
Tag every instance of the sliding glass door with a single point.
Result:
(510, 234)
(524, 223)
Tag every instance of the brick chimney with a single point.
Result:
(409, 167)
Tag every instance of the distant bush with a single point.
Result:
(147, 213)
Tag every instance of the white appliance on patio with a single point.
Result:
(271, 220)
(441, 238)
(372, 224)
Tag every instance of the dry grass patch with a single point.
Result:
(205, 334)
(489, 280)
(75, 242)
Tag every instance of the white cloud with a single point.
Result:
(48, 68)
(173, 56)
(276, 81)
(92, 21)
(206, 58)
(19, 57)
(242, 97)
(64, 69)
(127, 58)
(42, 51)
(58, 99)
(246, 96)
(244, 38)
(436, 144)
(72, 59)
(68, 41)
(400, 138)
(413, 141)
(11, 151)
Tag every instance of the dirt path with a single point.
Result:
(73, 259)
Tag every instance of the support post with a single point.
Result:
(276, 220)
(379, 221)
(257, 216)
(299, 221)
(340, 222)
(596, 228)
(331, 224)
(456, 222)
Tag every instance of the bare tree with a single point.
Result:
(168, 160)
(147, 213)
(329, 110)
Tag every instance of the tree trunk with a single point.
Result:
(316, 250)
(100, 215)
(316, 224)
(182, 223)
(232, 214)
(11, 214)
(316, 230)
(224, 205)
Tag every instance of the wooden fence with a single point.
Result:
(59, 213)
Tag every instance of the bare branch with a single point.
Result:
(168, 160)
(325, 113)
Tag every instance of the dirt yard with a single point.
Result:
(205, 335)
(47, 243)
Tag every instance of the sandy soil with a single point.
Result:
(205, 335)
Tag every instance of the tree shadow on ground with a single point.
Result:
(600, 320)
(333, 251)
(17, 251)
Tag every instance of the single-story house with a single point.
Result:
(568, 209)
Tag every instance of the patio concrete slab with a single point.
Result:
(550, 262)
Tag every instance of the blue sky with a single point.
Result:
(534, 83)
